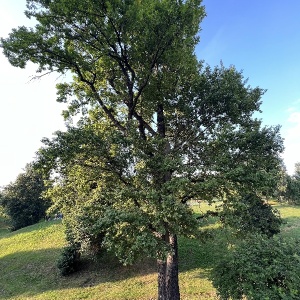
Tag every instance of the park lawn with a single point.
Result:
(291, 216)
(28, 265)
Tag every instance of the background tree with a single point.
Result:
(22, 200)
(297, 171)
(250, 214)
(292, 189)
(280, 190)
(157, 127)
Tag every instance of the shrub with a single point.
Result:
(69, 260)
(81, 229)
(260, 268)
(251, 214)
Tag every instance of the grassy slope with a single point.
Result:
(28, 266)
(291, 216)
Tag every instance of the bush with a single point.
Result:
(81, 229)
(251, 214)
(260, 268)
(69, 260)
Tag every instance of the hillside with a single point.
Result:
(28, 266)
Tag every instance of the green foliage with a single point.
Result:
(3, 215)
(68, 263)
(157, 128)
(81, 231)
(260, 268)
(297, 171)
(280, 191)
(22, 200)
(250, 214)
(288, 187)
(292, 192)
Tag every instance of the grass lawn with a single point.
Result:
(291, 216)
(28, 265)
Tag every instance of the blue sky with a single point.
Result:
(260, 37)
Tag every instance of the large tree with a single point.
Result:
(157, 128)
(22, 199)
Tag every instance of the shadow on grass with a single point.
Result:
(294, 220)
(291, 227)
(30, 273)
(203, 253)
(26, 272)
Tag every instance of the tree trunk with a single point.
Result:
(168, 283)
(168, 286)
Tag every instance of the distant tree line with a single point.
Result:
(289, 186)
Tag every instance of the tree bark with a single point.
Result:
(168, 283)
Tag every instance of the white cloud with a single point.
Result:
(28, 111)
(291, 134)
(294, 117)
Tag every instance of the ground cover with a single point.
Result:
(28, 264)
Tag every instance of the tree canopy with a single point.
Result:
(22, 199)
(157, 127)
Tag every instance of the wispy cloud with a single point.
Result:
(291, 134)
(213, 49)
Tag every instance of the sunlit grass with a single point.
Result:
(37, 237)
(28, 264)
(291, 216)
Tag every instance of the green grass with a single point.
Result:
(3, 223)
(291, 216)
(28, 265)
